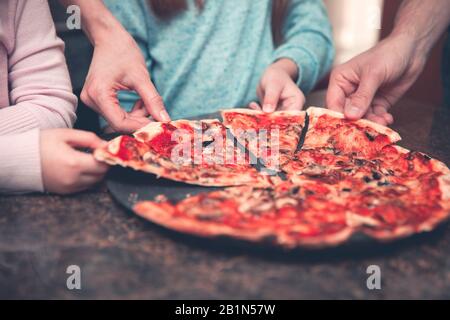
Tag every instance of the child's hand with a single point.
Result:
(65, 169)
(277, 89)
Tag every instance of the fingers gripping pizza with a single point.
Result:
(340, 177)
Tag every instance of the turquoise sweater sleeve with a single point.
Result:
(307, 41)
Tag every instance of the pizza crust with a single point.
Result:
(107, 154)
(149, 131)
(153, 212)
(252, 112)
(444, 186)
(323, 241)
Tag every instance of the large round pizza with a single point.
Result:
(299, 179)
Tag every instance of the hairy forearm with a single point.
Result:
(97, 21)
(422, 22)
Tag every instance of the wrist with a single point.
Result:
(417, 44)
(422, 22)
(288, 66)
(100, 25)
(409, 45)
(100, 28)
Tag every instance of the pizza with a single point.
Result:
(333, 178)
(196, 152)
(329, 129)
(272, 137)
(334, 147)
(313, 212)
(287, 215)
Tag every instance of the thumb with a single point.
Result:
(152, 100)
(83, 139)
(358, 104)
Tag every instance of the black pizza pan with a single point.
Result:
(129, 186)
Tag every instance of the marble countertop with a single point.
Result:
(123, 256)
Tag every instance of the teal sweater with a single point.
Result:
(204, 61)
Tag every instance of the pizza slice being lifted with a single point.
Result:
(196, 152)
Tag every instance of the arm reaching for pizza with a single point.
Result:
(371, 83)
(277, 89)
(117, 64)
(304, 55)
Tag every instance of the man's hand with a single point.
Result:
(277, 89)
(371, 83)
(368, 85)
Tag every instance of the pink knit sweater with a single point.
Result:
(35, 91)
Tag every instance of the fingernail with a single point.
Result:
(268, 108)
(164, 115)
(352, 111)
(389, 118)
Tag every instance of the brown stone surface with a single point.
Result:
(123, 256)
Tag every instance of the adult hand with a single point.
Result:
(277, 89)
(65, 169)
(118, 64)
(371, 83)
